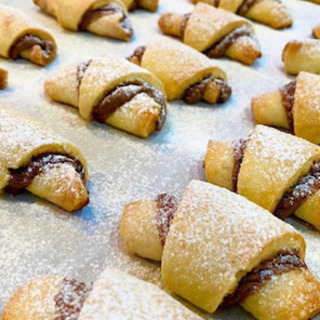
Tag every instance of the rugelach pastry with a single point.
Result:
(316, 31)
(276, 170)
(185, 73)
(34, 158)
(113, 296)
(111, 90)
(302, 56)
(151, 5)
(270, 12)
(3, 79)
(220, 249)
(214, 32)
(104, 18)
(21, 37)
(294, 107)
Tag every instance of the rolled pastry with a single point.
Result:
(293, 107)
(106, 18)
(34, 158)
(316, 31)
(215, 32)
(21, 37)
(221, 249)
(3, 79)
(114, 295)
(270, 12)
(185, 73)
(302, 56)
(111, 90)
(276, 170)
(151, 5)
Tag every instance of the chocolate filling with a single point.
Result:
(81, 71)
(287, 94)
(195, 93)
(27, 42)
(22, 177)
(125, 93)
(239, 152)
(293, 198)
(166, 208)
(137, 55)
(91, 15)
(220, 47)
(70, 299)
(251, 283)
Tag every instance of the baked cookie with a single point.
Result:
(114, 295)
(302, 56)
(3, 79)
(270, 12)
(221, 249)
(316, 31)
(106, 18)
(185, 73)
(34, 158)
(293, 107)
(111, 90)
(21, 37)
(215, 32)
(276, 170)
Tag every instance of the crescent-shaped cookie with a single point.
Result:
(270, 12)
(221, 249)
(21, 37)
(185, 73)
(34, 158)
(113, 91)
(107, 18)
(276, 170)
(215, 32)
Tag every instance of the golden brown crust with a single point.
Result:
(14, 25)
(300, 56)
(3, 78)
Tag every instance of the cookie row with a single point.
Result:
(215, 32)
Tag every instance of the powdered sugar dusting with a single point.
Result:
(38, 238)
(119, 296)
(214, 222)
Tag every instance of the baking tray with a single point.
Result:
(38, 238)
